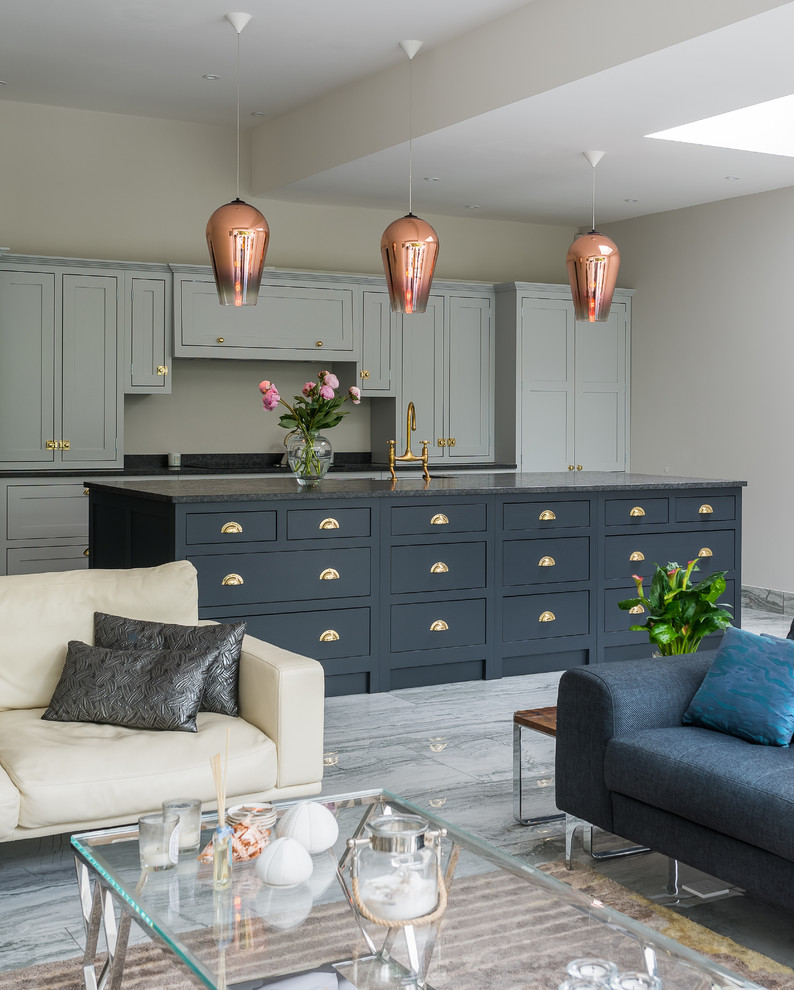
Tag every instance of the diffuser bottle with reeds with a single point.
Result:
(222, 839)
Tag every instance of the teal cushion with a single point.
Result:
(749, 689)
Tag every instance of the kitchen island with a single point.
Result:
(403, 584)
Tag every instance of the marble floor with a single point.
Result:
(446, 748)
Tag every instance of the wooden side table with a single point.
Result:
(538, 720)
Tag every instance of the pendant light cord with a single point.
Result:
(410, 135)
(593, 227)
(238, 115)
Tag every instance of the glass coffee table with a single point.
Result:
(506, 924)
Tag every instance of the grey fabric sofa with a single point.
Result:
(625, 763)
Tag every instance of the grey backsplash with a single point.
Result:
(768, 600)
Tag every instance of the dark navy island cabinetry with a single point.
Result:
(474, 577)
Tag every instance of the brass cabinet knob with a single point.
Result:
(547, 617)
(221, 339)
(705, 552)
(637, 555)
(450, 441)
(329, 574)
(578, 467)
(442, 441)
(66, 445)
(329, 636)
(363, 374)
(329, 523)
(438, 626)
(51, 445)
(547, 562)
(439, 568)
(637, 511)
(86, 552)
(231, 527)
(86, 491)
(318, 343)
(439, 519)
(546, 515)
(162, 370)
(232, 579)
(570, 467)
(637, 610)
(705, 509)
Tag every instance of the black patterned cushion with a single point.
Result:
(139, 689)
(224, 642)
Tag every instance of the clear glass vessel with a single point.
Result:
(309, 456)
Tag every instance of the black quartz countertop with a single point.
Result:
(187, 489)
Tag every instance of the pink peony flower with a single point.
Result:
(330, 380)
(308, 389)
(326, 392)
(271, 398)
(355, 394)
(264, 386)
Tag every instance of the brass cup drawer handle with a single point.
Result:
(546, 515)
(547, 562)
(637, 555)
(439, 519)
(547, 617)
(329, 574)
(705, 509)
(329, 523)
(637, 511)
(87, 552)
(231, 527)
(438, 626)
(439, 568)
(233, 579)
(637, 610)
(705, 552)
(329, 636)
(86, 491)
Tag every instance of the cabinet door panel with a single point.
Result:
(545, 616)
(90, 394)
(469, 371)
(376, 344)
(37, 512)
(546, 560)
(422, 340)
(149, 329)
(34, 560)
(438, 567)
(27, 369)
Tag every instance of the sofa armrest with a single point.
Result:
(597, 703)
(283, 694)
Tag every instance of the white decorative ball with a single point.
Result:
(311, 824)
(284, 863)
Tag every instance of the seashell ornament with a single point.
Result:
(311, 824)
(284, 863)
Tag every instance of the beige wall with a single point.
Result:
(712, 359)
(92, 185)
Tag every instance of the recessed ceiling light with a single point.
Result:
(3, 82)
(258, 113)
(765, 128)
(432, 178)
(731, 178)
(473, 206)
(210, 76)
(631, 201)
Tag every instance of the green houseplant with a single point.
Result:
(680, 614)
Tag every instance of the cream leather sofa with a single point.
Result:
(66, 776)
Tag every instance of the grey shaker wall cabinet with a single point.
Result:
(391, 586)
(148, 330)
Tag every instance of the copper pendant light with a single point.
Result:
(593, 261)
(409, 245)
(237, 234)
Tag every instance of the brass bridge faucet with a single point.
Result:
(410, 427)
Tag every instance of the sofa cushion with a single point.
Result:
(748, 690)
(78, 771)
(40, 613)
(715, 780)
(224, 640)
(142, 689)
(9, 806)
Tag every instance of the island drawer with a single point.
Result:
(638, 553)
(637, 511)
(437, 625)
(323, 634)
(546, 560)
(438, 519)
(542, 616)
(323, 524)
(254, 526)
(282, 576)
(546, 514)
(437, 567)
(711, 508)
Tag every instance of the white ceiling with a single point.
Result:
(519, 161)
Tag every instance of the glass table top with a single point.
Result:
(506, 924)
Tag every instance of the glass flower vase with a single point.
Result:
(309, 456)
